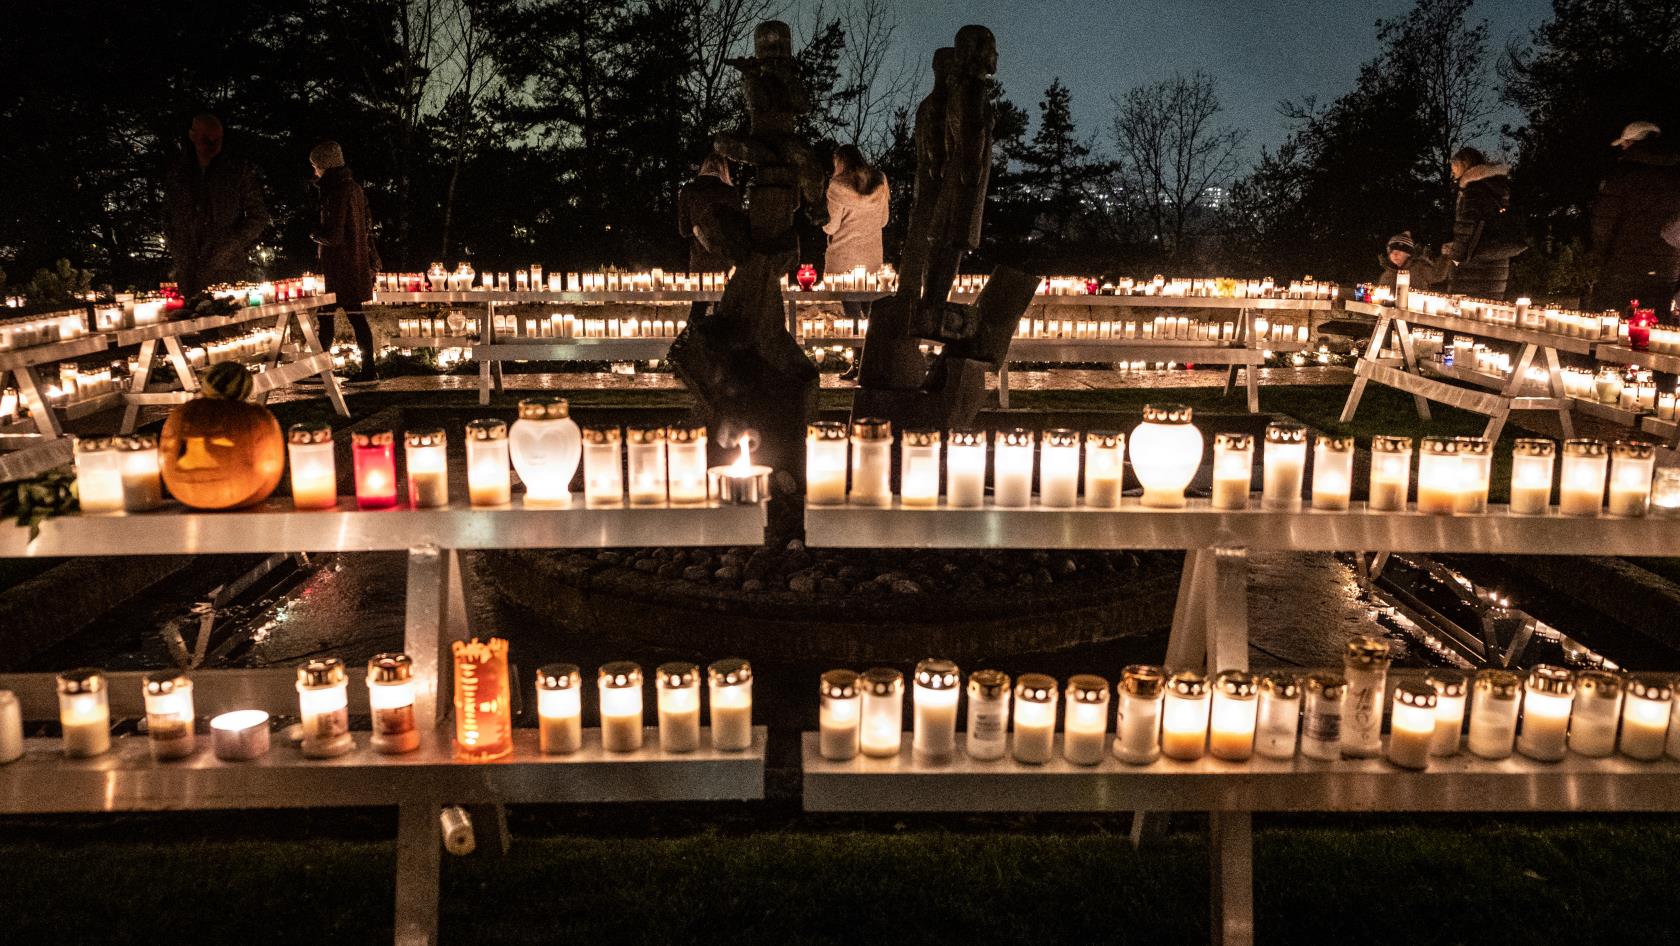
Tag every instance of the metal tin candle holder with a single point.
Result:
(240, 736)
(742, 482)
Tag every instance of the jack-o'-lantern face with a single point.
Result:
(221, 454)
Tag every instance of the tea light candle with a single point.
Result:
(426, 455)
(730, 684)
(1166, 450)
(1391, 473)
(1547, 697)
(1085, 735)
(685, 464)
(603, 467)
(1645, 711)
(825, 464)
(837, 718)
(1440, 475)
(391, 687)
(1595, 713)
(1631, 465)
(1035, 719)
(1532, 461)
(679, 706)
(169, 715)
(1450, 687)
(882, 723)
(142, 488)
(965, 461)
(374, 455)
(314, 471)
(325, 707)
(1282, 465)
(1058, 469)
(559, 709)
(11, 727)
(1582, 490)
(871, 463)
(1332, 480)
(1365, 661)
(1321, 716)
(934, 717)
(1493, 713)
(620, 685)
(1278, 720)
(1137, 724)
(1231, 730)
(239, 736)
(988, 715)
(647, 465)
(1105, 467)
(1665, 491)
(1233, 470)
(1475, 459)
(1412, 726)
(99, 477)
(1012, 469)
(919, 468)
(488, 480)
(1184, 716)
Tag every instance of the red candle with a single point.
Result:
(1091, 287)
(1639, 327)
(376, 469)
(807, 276)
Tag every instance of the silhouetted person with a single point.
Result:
(213, 211)
(858, 203)
(1486, 235)
(1636, 225)
(344, 247)
(710, 190)
(1402, 253)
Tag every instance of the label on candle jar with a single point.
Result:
(394, 721)
(328, 725)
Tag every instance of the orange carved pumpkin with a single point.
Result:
(218, 451)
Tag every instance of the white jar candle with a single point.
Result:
(1475, 465)
(603, 467)
(1631, 465)
(314, 473)
(11, 727)
(391, 689)
(1440, 475)
(678, 688)
(871, 463)
(1137, 718)
(324, 705)
(1278, 720)
(1233, 470)
(142, 486)
(1282, 466)
(1581, 491)
(1547, 696)
(620, 686)
(882, 722)
(545, 446)
(559, 709)
(646, 449)
(427, 460)
(988, 715)
(1365, 662)
(837, 717)
(1450, 695)
(1085, 731)
(1035, 719)
(919, 469)
(169, 715)
(488, 480)
(1665, 492)
(1594, 715)
(1532, 462)
(99, 482)
(1494, 708)
(1412, 724)
(1321, 716)
(965, 469)
(825, 464)
(1184, 716)
(1166, 450)
(1231, 725)
(685, 464)
(1012, 469)
(1645, 709)
(730, 682)
(1105, 468)
(1058, 469)
(1391, 473)
(934, 711)
(1332, 479)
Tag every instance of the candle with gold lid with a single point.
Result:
(1012, 469)
(1475, 464)
(1412, 724)
(391, 689)
(428, 467)
(1035, 719)
(1321, 716)
(825, 463)
(324, 707)
(871, 463)
(1278, 720)
(934, 713)
(685, 464)
(620, 686)
(1231, 727)
(730, 686)
(99, 486)
(919, 468)
(1631, 465)
(1105, 468)
(1282, 466)
(1058, 469)
(1166, 450)
(374, 453)
(1137, 722)
(1085, 732)
(1450, 691)
(142, 486)
(1548, 695)
(1365, 662)
(1391, 473)
(1581, 492)
(314, 471)
(603, 467)
(837, 718)
(169, 715)
(489, 482)
(882, 721)
(647, 465)
(1184, 716)
(1532, 463)
(1332, 479)
(1494, 707)
(1233, 470)
(988, 715)
(483, 700)
(1594, 715)
(965, 459)
(1645, 711)
(559, 709)
(1440, 475)
(545, 446)
(678, 685)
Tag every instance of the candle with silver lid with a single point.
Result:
(1231, 726)
(647, 465)
(620, 686)
(837, 718)
(1012, 469)
(314, 471)
(1137, 723)
(169, 715)
(1645, 710)
(934, 722)
(1440, 475)
(1085, 732)
(1058, 469)
(99, 485)
(988, 715)
(142, 486)
(1494, 709)
(489, 482)
(1595, 713)
(559, 709)
(1278, 722)
(1035, 719)
(374, 456)
(1105, 468)
(1366, 664)
(1166, 451)
(1548, 695)
(1332, 479)
(1321, 716)
(679, 706)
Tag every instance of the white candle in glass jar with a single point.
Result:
(678, 687)
(1278, 719)
(646, 448)
(169, 715)
(1282, 466)
(1035, 719)
(825, 464)
(1231, 725)
(489, 482)
(1391, 473)
(1532, 462)
(427, 462)
(1365, 663)
(1547, 697)
(1321, 716)
(882, 722)
(1012, 469)
(965, 473)
(1645, 711)
(1665, 491)
(1184, 716)
(837, 717)
(1440, 475)
(1475, 466)
(987, 736)
(1581, 491)
(1085, 731)
(314, 471)
(871, 463)
(1494, 708)
(1631, 466)
(142, 486)
(559, 709)
(620, 686)
(391, 690)
(729, 683)
(1058, 469)
(603, 467)
(1137, 722)
(1332, 479)
(685, 465)
(919, 468)
(99, 482)
(934, 711)
(1105, 468)
(1412, 724)
(1450, 695)
(1233, 470)
(324, 706)
(1594, 715)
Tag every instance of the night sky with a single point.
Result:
(1260, 53)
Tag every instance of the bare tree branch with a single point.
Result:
(1172, 150)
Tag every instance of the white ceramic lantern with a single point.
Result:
(1165, 449)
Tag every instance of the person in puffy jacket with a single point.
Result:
(214, 213)
(1632, 258)
(1485, 233)
(858, 200)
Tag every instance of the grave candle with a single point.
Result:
(314, 471)
(1184, 716)
(1365, 662)
(1645, 716)
(1475, 459)
(1547, 696)
(545, 446)
(1085, 735)
(988, 715)
(1105, 466)
(1412, 724)
(965, 461)
(169, 715)
(374, 454)
(1449, 688)
(1440, 475)
(390, 683)
(647, 465)
(559, 709)
(919, 468)
(603, 467)
(1233, 470)
(825, 463)
(325, 708)
(620, 686)
(1231, 729)
(1282, 464)
(1058, 469)
(427, 459)
(1012, 469)
(11, 727)
(1166, 450)
(1137, 724)
(1594, 715)
(1332, 472)
(1582, 490)
(239, 736)
(882, 722)
(1278, 722)
(141, 485)
(99, 483)
(1532, 461)
(1493, 713)
(679, 706)
(686, 464)
(730, 684)
(934, 718)
(1321, 716)
(1665, 491)
(488, 480)
(871, 463)
(1035, 719)
(483, 700)
(1391, 473)
(837, 718)
(1631, 465)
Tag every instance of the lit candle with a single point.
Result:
(1665, 491)
(1231, 728)
(1035, 719)
(837, 719)
(1166, 450)
(1532, 461)
(1412, 726)
(169, 715)
(1085, 736)
(871, 463)
(1440, 475)
(988, 715)
(314, 471)
(1631, 465)
(239, 736)
(1321, 716)
(1365, 662)
(1332, 479)
(374, 453)
(483, 700)
(965, 460)
(390, 683)
(1278, 720)
(1012, 469)
(919, 468)
(1475, 459)
(685, 464)
(1391, 473)
(1282, 465)
(1233, 470)
(11, 727)
(1450, 686)
(679, 706)
(1595, 713)
(1105, 466)
(99, 480)
(559, 709)
(1137, 723)
(488, 481)
(1184, 716)
(142, 488)
(1581, 492)
(1645, 712)
(603, 467)
(324, 706)
(1058, 469)
(545, 446)
(620, 685)
(934, 716)
(882, 722)
(730, 684)
(1547, 696)
(1493, 713)
(647, 465)
(825, 463)
(426, 454)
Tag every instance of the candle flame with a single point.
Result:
(743, 464)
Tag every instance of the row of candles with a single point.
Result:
(1453, 473)
(567, 325)
(1630, 390)
(533, 279)
(42, 330)
(1522, 313)
(1160, 285)
(130, 311)
(1236, 715)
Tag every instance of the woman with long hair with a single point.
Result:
(858, 200)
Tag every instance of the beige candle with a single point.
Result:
(837, 719)
(825, 464)
(1231, 727)
(1085, 733)
(1475, 466)
(1184, 716)
(646, 448)
(1645, 711)
(1440, 476)
(730, 683)
(882, 721)
(679, 706)
(488, 480)
(1581, 492)
(1391, 473)
(603, 467)
(1035, 719)
(919, 468)
(309, 447)
(1494, 708)
(1105, 466)
(1282, 466)
(428, 468)
(1532, 461)
(1631, 466)
(1233, 470)
(559, 709)
(142, 488)
(1332, 480)
(1450, 687)
(1547, 697)
(934, 711)
(620, 685)
(1412, 724)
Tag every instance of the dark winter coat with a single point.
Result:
(1424, 269)
(695, 202)
(344, 239)
(1485, 234)
(1636, 201)
(213, 217)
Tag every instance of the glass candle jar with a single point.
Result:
(679, 706)
(1532, 462)
(646, 447)
(603, 467)
(882, 723)
(1321, 716)
(1137, 722)
(1391, 473)
(1231, 727)
(545, 446)
(314, 473)
(871, 463)
(1494, 706)
(84, 712)
(1282, 466)
(1035, 719)
(1581, 491)
(1594, 715)
(685, 464)
(374, 455)
(837, 717)
(1278, 721)
(965, 469)
(141, 484)
(1412, 724)
(426, 453)
(1440, 475)
(559, 709)
(620, 685)
(1166, 450)
(729, 682)
(1450, 686)
(390, 683)
(1631, 464)
(934, 716)
(1012, 469)
(1665, 491)
(1233, 470)
(1365, 662)
(825, 464)
(1646, 705)
(1184, 716)
(1332, 480)
(99, 482)
(169, 715)
(1547, 696)
(1105, 468)
(483, 700)
(918, 464)
(1475, 468)
(324, 705)
(1085, 731)
(1058, 469)
(488, 480)
(988, 715)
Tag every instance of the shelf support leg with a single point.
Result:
(1187, 644)
(1554, 377)
(419, 863)
(137, 385)
(1231, 858)
(435, 616)
(1359, 379)
(311, 346)
(1252, 379)
(33, 394)
(1226, 627)
(1003, 385)
(1408, 352)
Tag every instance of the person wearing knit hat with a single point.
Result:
(345, 249)
(1401, 252)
